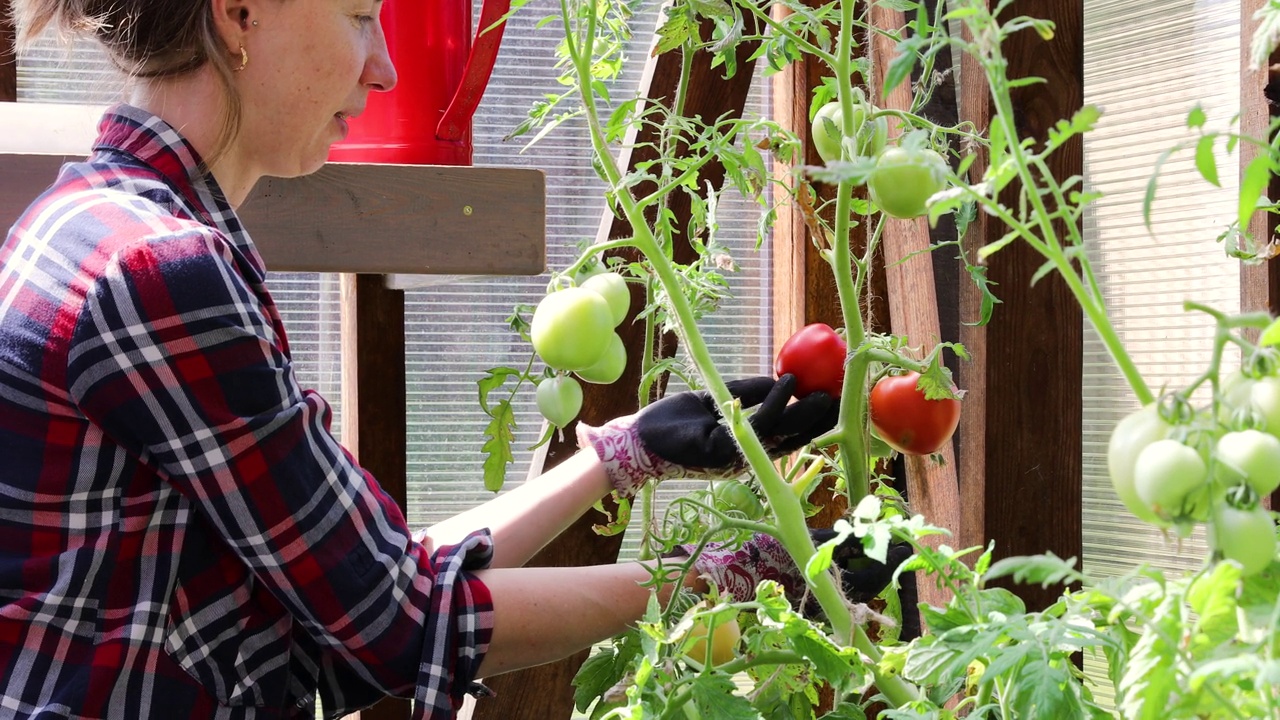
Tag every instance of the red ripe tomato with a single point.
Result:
(816, 356)
(909, 422)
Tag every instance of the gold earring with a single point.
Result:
(244, 59)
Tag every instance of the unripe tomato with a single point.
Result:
(733, 495)
(869, 135)
(815, 355)
(908, 421)
(559, 399)
(571, 328)
(1246, 536)
(1251, 455)
(610, 366)
(724, 642)
(904, 179)
(1165, 476)
(1130, 436)
(613, 288)
(1264, 398)
(825, 130)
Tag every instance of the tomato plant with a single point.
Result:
(571, 328)
(904, 178)
(1178, 646)
(816, 355)
(907, 420)
(559, 399)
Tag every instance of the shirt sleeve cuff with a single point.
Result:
(459, 627)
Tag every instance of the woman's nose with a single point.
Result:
(379, 71)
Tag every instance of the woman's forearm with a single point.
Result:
(544, 614)
(525, 519)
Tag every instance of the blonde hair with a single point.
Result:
(145, 39)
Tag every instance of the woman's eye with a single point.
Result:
(362, 21)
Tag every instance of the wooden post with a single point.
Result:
(545, 692)
(913, 310)
(1259, 284)
(8, 54)
(373, 401)
(1020, 472)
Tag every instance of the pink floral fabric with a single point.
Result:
(736, 571)
(627, 461)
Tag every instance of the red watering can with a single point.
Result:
(426, 119)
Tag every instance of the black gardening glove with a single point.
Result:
(682, 435)
(737, 571)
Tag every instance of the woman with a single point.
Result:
(181, 535)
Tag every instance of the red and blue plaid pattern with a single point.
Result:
(180, 534)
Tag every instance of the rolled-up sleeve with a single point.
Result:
(178, 359)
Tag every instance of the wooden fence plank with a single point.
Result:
(1022, 426)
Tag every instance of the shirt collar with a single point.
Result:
(158, 145)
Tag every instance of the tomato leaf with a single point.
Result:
(902, 64)
(1196, 118)
(1043, 570)
(497, 448)
(714, 696)
(1149, 197)
(593, 679)
(613, 526)
(1257, 175)
(1206, 163)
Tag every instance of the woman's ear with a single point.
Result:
(232, 20)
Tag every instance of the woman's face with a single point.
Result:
(312, 65)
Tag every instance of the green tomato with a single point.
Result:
(1245, 536)
(1165, 476)
(559, 399)
(571, 328)
(1130, 437)
(610, 366)
(869, 136)
(904, 179)
(1264, 398)
(613, 288)
(826, 131)
(1251, 455)
(733, 495)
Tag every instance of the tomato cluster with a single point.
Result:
(904, 177)
(1176, 466)
(573, 332)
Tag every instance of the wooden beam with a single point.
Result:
(1021, 467)
(374, 415)
(913, 311)
(411, 219)
(545, 692)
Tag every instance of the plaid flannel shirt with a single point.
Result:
(180, 534)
